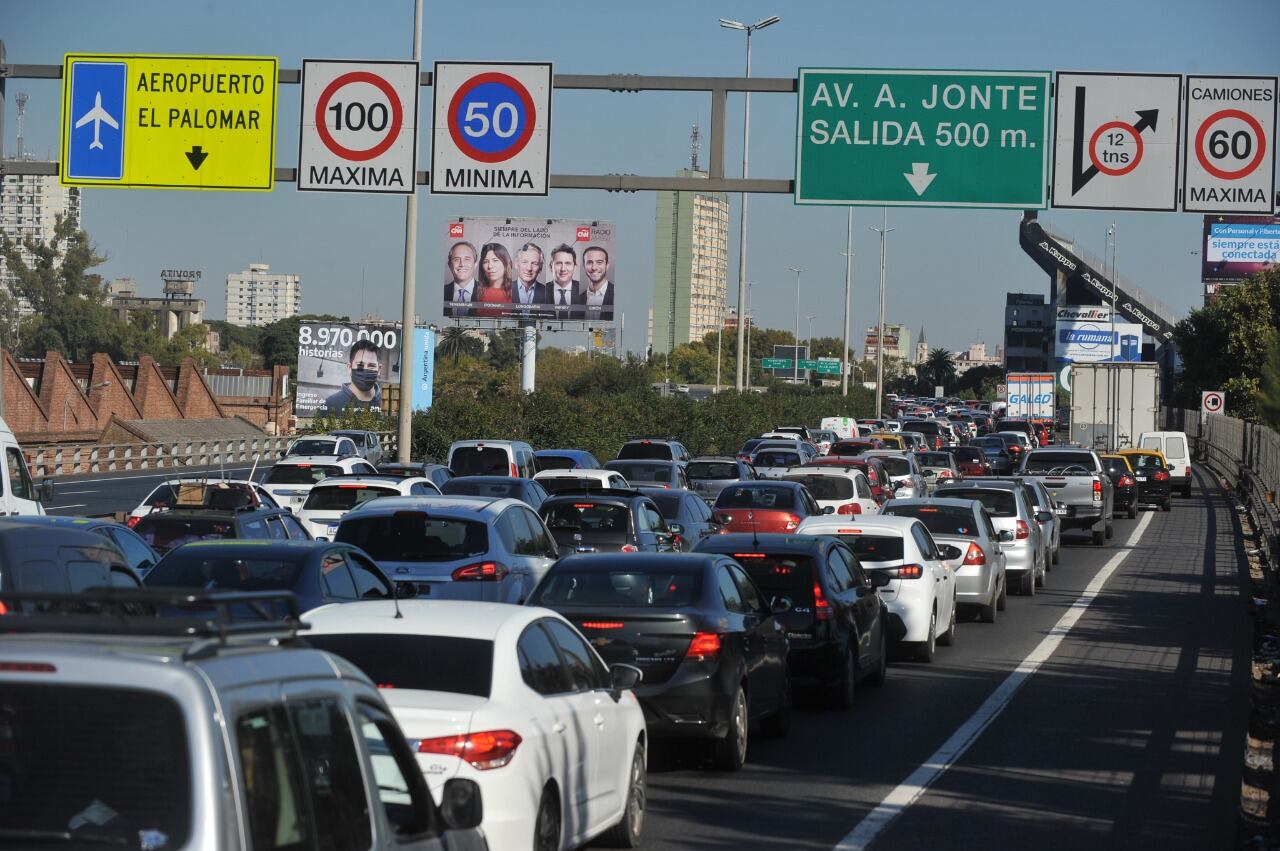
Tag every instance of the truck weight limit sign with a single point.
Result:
(359, 127)
(491, 128)
(1212, 401)
(1230, 163)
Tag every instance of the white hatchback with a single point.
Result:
(290, 479)
(513, 698)
(845, 490)
(555, 481)
(334, 497)
(921, 595)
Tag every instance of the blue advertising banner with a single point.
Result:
(422, 368)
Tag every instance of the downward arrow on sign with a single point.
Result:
(919, 178)
(196, 156)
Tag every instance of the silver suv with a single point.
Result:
(200, 732)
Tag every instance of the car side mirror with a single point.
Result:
(879, 579)
(44, 491)
(1006, 535)
(461, 805)
(675, 528)
(624, 677)
(949, 552)
(565, 550)
(1043, 516)
(405, 590)
(828, 509)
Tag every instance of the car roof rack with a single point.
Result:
(134, 611)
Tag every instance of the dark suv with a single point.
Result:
(609, 520)
(173, 528)
(835, 621)
(653, 449)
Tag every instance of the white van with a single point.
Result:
(845, 427)
(492, 458)
(21, 496)
(1177, 451)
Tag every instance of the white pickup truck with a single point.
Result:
(1079, 485)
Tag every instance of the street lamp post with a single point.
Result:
(808, 342)
(848, 281)
(742, 222)
(884, 231)
(795, 362)
(750, 292)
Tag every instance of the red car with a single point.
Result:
(970, 461)
(764, 506)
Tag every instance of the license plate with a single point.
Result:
(1060, 510)
(333, 527)
(1141, 478)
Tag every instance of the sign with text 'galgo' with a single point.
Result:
(169, 122)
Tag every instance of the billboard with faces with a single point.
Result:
(550, 269)
(343, 365)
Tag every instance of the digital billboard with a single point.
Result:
(1236, 247)
(558, 269)
(343, 365)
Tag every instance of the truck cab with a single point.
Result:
(20, 496)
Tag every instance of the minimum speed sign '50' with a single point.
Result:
(491, 128)
(359, 126)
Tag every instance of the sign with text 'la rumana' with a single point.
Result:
(912, 138)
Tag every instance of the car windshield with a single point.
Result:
(825, 487)
(300, 474)
(757, 496)
(415, 536)
(999, 503)
(644, 450)
(200, 567)
(165, 531)
(314, 446)
(422, 662)
(642, 472)
(939, 519)
(480, 461)
(80, 762)
(711, 470)
(1043, 462)
(873, 547)
(934, 459)
(343, 497)
(621, 588)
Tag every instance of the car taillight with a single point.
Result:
(907, 571)
(1097, 491)
(629, 548)
(28, 667)
(603, 624)
(4, 610)
(1126, 482)
(132, 521)
(1161, 476)
(514, 471)
(1188, 471)
(975, 555)
(821, 608)
(481, 571)
(705, 646)
(849, 508)
(1023, 532)
(491, 749)
(791, 522)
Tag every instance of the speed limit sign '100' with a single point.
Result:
(491, 128)
(1229, 165)
(359, 127)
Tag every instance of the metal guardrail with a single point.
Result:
(71, 459)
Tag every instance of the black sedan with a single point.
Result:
(834, 618)
(713, 654)
(687, 515)
(1124, 484)
(315, 571)
(527, 491)
(610, 520)
(999, 453)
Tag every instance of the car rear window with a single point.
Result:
(645, 451)
(1175, 447)
(164, 532)
(343, 497)
(82, 762)
(200, 567)
(415, 536)
(848, 448)
(314, 447)
(825, 487)
(301, 474)
(555, 462)
(480, 461)
(508, 488)
(668, 504)
(709, 470)
(758, 496)
(1042, 462)
(658, 589)
(969, 454)
(592, 520)
(1146, 462)
(643, 472)
(423, 662)
(556, 484)
(934, 459)
(1012, 425)
(922, 426)
(777, 459)
(938, 519)
(781, 575)
(998, 503)
(895, 466)
(872, 547)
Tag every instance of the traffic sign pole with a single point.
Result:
(408, 318)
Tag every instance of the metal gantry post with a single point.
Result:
(848, 282)
(404, 442)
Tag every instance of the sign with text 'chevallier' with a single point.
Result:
(169, 122)
(922, 138)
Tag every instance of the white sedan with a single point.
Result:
(513, 698)
(290, 479)
(334, 497)
(921, 596)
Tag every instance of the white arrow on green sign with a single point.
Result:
(922, 138)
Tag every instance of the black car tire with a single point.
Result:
(987, 614)
(1110, 530)
(626, 833)
(1186, 491)
(1167, 505)
(730, 753)
(1043, 577)
(1133, 510)
(1002, 602)
(877, 677)
(948, 638)
(546, 828)
(927, 650)
(1027, 583)
(778, 725)
(1099, 537)
(842, 693)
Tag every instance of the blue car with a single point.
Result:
(317, 572)
(137, 554)
(566, 459)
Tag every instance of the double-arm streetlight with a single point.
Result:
(742, 222)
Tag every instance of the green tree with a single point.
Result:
(939, 369)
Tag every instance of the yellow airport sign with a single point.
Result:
(168, 122)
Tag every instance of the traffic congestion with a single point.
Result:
(515, 630)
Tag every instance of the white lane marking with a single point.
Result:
(910, 790)
(174, 473)
(65, 507)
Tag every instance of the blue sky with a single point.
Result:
(948, 270)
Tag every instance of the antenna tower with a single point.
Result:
(695, 145)
(22, 99)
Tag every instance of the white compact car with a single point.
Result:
(290, 479)
(513, 698)
(921, 597)
(332, 498)
(555, 481)
(165, 496)
(904, 472)
(845, 490)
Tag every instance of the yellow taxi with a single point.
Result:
(1151, 472)
(890, 440)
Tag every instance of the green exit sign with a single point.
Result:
(775, 363)
(922, 138)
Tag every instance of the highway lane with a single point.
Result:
(1129, 735)
(100, 494)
